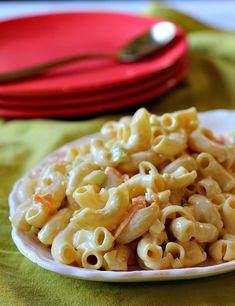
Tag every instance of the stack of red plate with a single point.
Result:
(89, 87)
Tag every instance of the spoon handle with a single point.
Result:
(36, 69)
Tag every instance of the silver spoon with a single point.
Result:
(159, 35)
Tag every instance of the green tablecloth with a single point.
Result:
(210, 83)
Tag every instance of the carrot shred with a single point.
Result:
(126, 220)
(221, 140)
(112, 170)
(45, 199)
(138, 202)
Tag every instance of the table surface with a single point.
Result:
(217, 13)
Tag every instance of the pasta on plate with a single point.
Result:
(151, 192)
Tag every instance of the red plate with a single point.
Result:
(122, 93)
(32, 40)
(145, 96)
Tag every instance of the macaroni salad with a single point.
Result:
(152, 192)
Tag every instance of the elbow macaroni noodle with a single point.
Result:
(153, 192)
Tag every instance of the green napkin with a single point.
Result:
(209, 84)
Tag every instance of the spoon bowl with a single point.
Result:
(158, 36)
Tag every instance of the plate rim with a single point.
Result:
(98, 108)
(110, 276)
(111, 94)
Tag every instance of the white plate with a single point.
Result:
(221, 122)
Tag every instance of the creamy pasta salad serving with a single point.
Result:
(151, 192)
